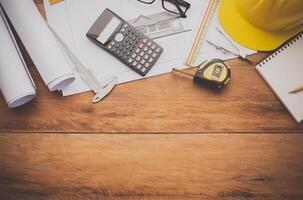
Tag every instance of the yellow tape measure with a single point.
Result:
(214, 73)
(53, 2)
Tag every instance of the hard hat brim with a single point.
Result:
(248, 35)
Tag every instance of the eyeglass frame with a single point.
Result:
(177, 3)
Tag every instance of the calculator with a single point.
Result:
(123, 41)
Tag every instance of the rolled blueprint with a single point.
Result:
(16, 84)
(39, 42)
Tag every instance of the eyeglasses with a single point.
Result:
(178, 7)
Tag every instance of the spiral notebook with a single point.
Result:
(283, 71)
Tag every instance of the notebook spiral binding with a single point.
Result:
(280, 50)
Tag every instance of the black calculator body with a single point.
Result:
(124, 42)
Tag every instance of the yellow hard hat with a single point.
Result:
(261, 25)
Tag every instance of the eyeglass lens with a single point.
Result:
(175, 6)
(147, 1)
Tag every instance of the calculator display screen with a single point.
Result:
(112, 25)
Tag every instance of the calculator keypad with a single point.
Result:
(136, 50)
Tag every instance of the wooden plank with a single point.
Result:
(168, 103)
(223, 167)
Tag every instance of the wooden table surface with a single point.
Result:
(160, 138)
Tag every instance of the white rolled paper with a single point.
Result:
(39, 42)
(16, 84)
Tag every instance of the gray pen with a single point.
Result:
(242, 55)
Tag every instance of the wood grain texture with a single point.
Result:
(221, 167)
(240, 144)
(167, 103)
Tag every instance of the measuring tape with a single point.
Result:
(214, 73)
(204, 26)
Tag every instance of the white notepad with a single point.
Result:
(283, 71)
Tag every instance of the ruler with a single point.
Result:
(101, 89)
(202, 31)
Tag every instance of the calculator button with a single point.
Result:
(158, 50)
(113, 43)
(141, 45)
(128, 53)
(150, 52)
(125, 57)
(123, 30)
(109, 46)
(144, 41)
(149, 43)
(139, 66)
(115, 49)
(150, 60)
(147, 65)
(119, 37)
(154, 55)
(145, 49)
(125, 25)
(143, 69)
(141, 53)
(153, 47)
(137, 50)
(138, 58)
(146, 57)
(130, 60)
(134, 55)
(118, 52)
(142, 61)
(135, 63)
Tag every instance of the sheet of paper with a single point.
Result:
(72, 19)
(81, 14)
(16, 83)
(283, 71)
(39, 42)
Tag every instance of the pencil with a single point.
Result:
(296, 90)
